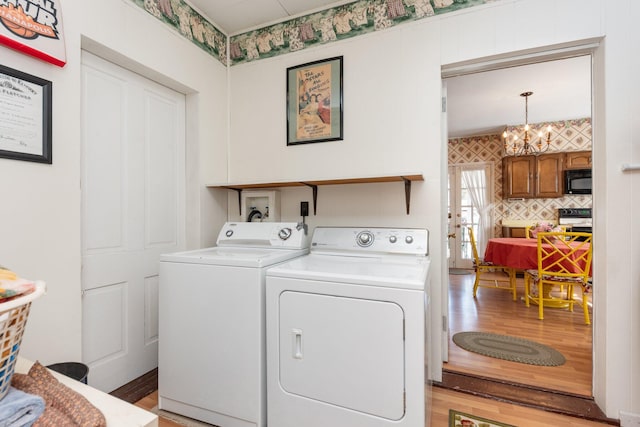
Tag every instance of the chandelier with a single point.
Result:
(518, 142)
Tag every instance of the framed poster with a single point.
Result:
(25, 116)
(314, 102)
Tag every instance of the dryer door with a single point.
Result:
(347, 352)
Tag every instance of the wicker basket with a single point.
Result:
(13, 319)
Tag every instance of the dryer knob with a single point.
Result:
(409, 239)
(284, 233)
(229, 233)
(364, 239)
(393, 239)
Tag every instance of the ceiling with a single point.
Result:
(236, 16)
(478, 104)
(484, 103)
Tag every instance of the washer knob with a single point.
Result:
(284, 233)
(364, 239)
(229, 233)
(393, 239)
(409, 239)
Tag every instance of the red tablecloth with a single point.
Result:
(514, 252)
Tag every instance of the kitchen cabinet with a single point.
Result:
(530, 177)
(578, 160)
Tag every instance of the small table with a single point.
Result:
(517, 253)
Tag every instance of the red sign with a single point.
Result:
(33, 27)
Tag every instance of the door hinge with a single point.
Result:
(445, 323)
(444, 104)
(404, 400)
(403, 329)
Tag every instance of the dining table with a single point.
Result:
(518, 253)
(522, 254)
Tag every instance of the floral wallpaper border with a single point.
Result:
(190, 24)
(338, 23)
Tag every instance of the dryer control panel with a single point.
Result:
(372, 240)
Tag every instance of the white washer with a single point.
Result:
(346, 331)
(212, 363)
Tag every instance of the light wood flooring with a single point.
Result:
(494, 311)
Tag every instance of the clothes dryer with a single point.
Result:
(212, 364)
(346, 331)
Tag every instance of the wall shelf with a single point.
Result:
(314, 184)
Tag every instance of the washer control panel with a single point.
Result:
(286, 235)
(375, 240)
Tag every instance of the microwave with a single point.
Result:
(577, 181)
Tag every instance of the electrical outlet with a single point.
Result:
(304, 209)
(628, 419)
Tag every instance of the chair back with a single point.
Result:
(565, 254)
(474, 247)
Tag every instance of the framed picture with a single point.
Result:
(314, 102)
(25, 116)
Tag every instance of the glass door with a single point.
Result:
(467, 196)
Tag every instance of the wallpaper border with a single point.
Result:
(327, 26)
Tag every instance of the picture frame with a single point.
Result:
(315, 102)
(25, 116)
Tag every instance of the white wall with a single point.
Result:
(392, 125)
(40, 216)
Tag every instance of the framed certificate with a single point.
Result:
(25, 116)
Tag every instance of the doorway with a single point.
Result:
(487, 138)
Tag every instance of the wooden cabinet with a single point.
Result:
(518, 177)
(549, 175)
(578, 160)
(533, 176)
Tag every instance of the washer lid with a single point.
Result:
(234, 256)
(404, 272)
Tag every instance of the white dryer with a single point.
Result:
(346, 331)
(212, 362)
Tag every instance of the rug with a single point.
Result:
(510, 348)
(459, 271)
(460, 419)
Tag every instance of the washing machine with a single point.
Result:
(211, 361)
(346, 331)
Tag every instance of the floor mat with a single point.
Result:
(510, 348)
(460, 419)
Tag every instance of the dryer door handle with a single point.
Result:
(296, 341)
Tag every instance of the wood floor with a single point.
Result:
(494, 311)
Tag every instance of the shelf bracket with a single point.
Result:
(315, 195)
(239, 191)
(407, 193)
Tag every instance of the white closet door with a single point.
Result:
(132, 211)
(347, 352)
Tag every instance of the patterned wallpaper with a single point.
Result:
(338, 23)
(349, 20)
(569, 135)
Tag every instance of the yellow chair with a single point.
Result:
(564, 258)
(482, 267)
